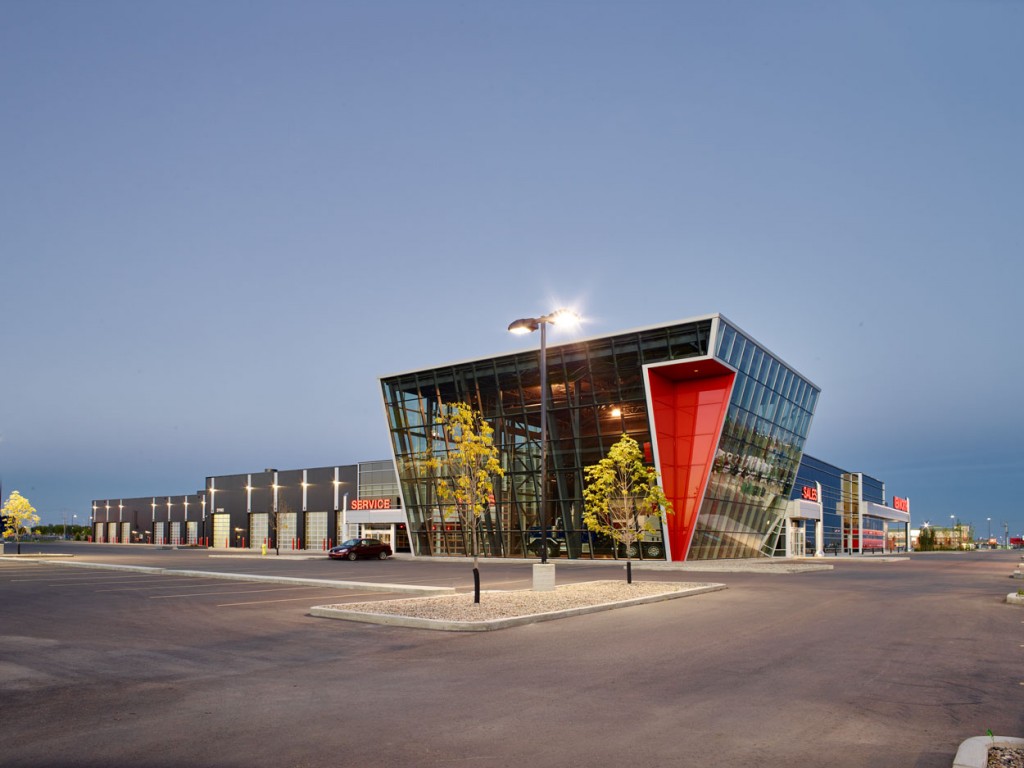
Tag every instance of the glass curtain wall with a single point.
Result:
(376, 479)
(596, 394)
(765, 428)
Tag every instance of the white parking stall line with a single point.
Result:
(232, 592)
(295, 599)
(151, 587)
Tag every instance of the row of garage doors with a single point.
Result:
(163, 533)
(259, 532)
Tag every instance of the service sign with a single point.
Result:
(809, 493)
(371, 504)
(903, 505)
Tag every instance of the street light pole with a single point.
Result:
(543, 443)
(528, 325)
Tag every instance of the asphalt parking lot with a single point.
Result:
(876, 662)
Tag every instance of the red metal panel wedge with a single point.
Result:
(689, 402)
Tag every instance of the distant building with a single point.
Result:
(851, 514)
(318, 507)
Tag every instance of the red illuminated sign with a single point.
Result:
(903, 505)
(810, 494)
(371, 504)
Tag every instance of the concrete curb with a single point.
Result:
(973, 753)
(16, 556)
(364, 586)
(1015, 599)
(328, 612)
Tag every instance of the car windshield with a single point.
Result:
(350, 543)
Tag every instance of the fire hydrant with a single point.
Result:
(263, 549)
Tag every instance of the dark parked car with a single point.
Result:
(355, 548)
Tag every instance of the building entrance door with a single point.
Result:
(797, 540)
(383, 533)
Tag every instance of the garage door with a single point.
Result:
(221, 530)
(286, 536)
(159, 532)
(258, 529)
(126, 532)
(316, 530)
(175, 533)
(192, 531)
(112, 533)
(100, 529)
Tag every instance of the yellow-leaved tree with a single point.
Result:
(17, 515)
(622, 498)
(461, 463)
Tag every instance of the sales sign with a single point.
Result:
(903, 505)
(809, 493)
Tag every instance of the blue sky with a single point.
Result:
(221, 222)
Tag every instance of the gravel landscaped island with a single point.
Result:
(499, 609)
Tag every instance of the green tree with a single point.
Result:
(17, 514)
(462, 467)
(622, 499)
(926, 539)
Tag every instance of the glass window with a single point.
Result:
(755, 364)
(737, 351)
(748, 354)
(725, 340)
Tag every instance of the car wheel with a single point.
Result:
(633, 550)
(383, 555)
(652, 550)
(538, 549)
(351, 555)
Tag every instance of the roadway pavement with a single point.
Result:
(885, 661)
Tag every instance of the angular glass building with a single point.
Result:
(722, 418)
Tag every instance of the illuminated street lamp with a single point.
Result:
(529, 325)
